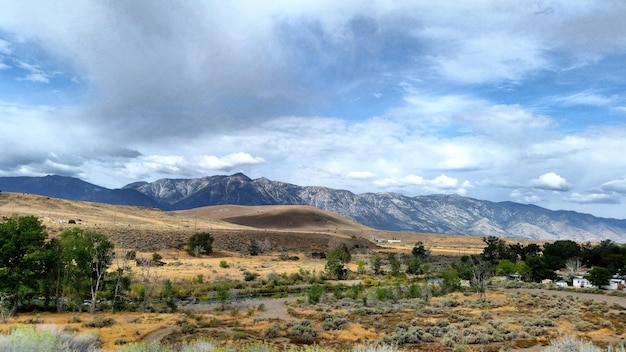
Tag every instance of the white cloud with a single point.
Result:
(407, 180)
(361, 175)
(551, 181)
(587, 98)
(525, 196)
(593, 198)
(441, 183)
(5, 47)
(445, 182)
(492, 56)
(618, 186)
(227, 162)
(35, 73)
(179, 164)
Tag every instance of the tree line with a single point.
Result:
(68, 272)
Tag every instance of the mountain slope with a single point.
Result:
(75, 189)
(450, 214)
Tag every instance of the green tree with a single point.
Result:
(606, 254)
(86, 256)
(505, 267)
(419, 251)
(414, 266)
(394, 262)
(200, 243)
(361, 266)
(222, 291)
(495, 250)
(539, 270)
(167, 292)
(450, 280)
(51, 265)
(557, 253)
(522, 269)
(336, 261)
(376, 262)
(599, 276)
(22, 240)
(315, 293)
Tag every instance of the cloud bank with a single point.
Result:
(499, 100)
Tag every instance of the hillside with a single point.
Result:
(152, 229)
(280, 217)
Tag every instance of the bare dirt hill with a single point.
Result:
(278, 217)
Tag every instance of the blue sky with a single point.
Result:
(499, 100)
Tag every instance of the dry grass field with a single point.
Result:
(511, 318)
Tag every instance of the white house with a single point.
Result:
(581, 282)
(615, 283)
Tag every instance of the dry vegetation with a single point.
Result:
(379, 309)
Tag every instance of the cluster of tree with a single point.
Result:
(69, 270)
(338, 258)
(65, 270)
(531, 262)
(534, 262)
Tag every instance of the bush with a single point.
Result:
(334, 322)
(572, 344)
(315, 293)
(273, 331)
(249, 276)
(99, 322)
(47, 338)
(302, 332)
(404, 334)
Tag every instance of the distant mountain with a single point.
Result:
(75, 189)
(451, 214)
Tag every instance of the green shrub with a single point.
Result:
(404, 334)
(99, 322)
(334, 322)
(273, 331)
(315, 293)
(249, 276)
(302, 332)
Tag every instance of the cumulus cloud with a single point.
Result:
(552, 182)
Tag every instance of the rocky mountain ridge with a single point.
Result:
(450, 214)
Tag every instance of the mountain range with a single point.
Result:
(449, 214)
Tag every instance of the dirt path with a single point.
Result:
(158, 335)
